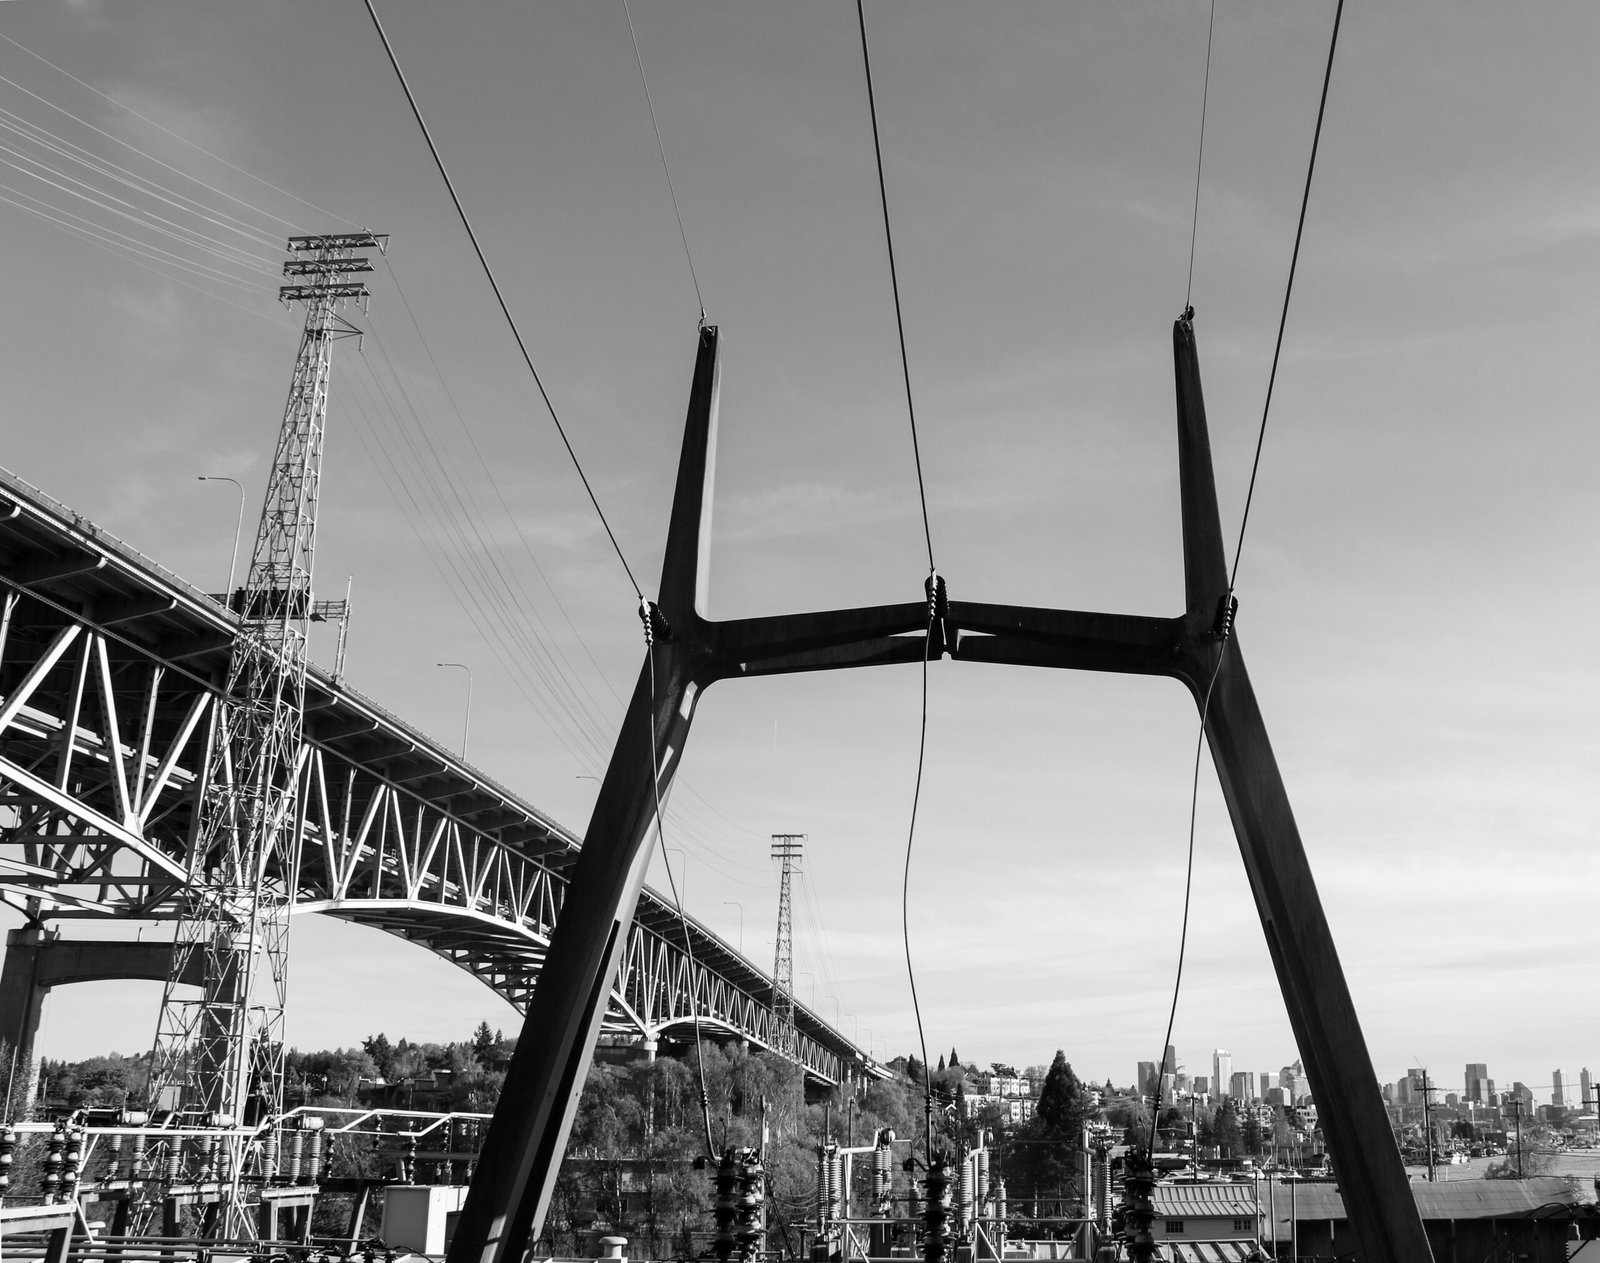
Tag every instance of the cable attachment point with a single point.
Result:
(655, 622)
(940, 640)
(1227, 608)
(1188, 314)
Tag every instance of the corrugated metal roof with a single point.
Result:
(1211, 1251)
(1197, 1201)
(1450, 1199)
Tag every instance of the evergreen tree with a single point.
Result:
(484, 1043)
(954, 1060)
(1063, 1104)
(941, 1063)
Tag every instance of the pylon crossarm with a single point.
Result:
(1022, 635)
(818, 641)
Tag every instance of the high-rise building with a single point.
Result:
(1267, 1082)
(1242, 1085)
(1478, 1088)
(1293, 1081)
(1221, 1070)
(1557, 1093)
(1586, 1087)
(1146, 1083)
(1202, 1085)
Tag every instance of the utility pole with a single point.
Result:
(1516, 1108)
(1427, 1123)
(786, 847)
(219, 1059)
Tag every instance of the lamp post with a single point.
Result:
(238, 525)
(466, 724)
(730, 903)
(682, 890)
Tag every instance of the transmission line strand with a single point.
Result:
(905, 898)
(1188, 889)
(185, 140)
(1199, 161)
(1288, 289)
(1283, 318)
(505, 309)
(646, 613)
(662, 149)
(894, 281)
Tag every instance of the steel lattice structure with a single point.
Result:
(109, 683)
(787, 848)
(221, 1055)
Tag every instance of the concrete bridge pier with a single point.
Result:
(37, 960)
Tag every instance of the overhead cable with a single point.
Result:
(894, 280)
(662, 149)
(1288, 289)
(1200, 156)
(1229, 604)
(505, 309)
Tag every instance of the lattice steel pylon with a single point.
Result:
(786, 847)
(219, 1058)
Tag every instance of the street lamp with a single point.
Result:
(682, 890)
(730, 903)
(238, 525)
(466, 724)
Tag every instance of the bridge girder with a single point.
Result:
(104, 727)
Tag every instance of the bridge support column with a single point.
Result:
(21, 1005)
(38, 960)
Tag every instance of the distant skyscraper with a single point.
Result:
(1242, 1086)
(1293, 1081)
(1267, 1082)
(1557, 1096)
(1202, 1085)
(1586, 1087)
(1147, 1078)
(1477, 1081)
(1221, 1070)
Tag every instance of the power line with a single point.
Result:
(894, 280)
(1194, 796)
(1200, 156)
(1288, 289)
(505, 309)
(662, 149)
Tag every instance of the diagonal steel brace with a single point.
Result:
(522, 1152)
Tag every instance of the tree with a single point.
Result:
(1226, 1134)
(954, 1060)
(1063, 1104)
(484, 1043)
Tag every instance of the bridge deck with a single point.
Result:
(110, 667)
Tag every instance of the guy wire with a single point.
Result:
(662, 149)
(1200, 157)
(894, 281)
(505, 309)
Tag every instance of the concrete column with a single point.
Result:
(21, 1005)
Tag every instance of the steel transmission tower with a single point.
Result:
(786, 847)
(220, 1057)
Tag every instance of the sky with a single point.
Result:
(1418, 586)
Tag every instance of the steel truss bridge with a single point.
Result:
(110, 671)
